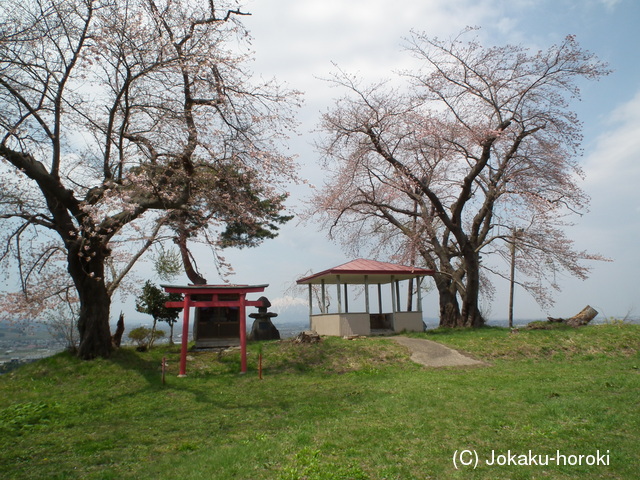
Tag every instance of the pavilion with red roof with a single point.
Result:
(345, 322)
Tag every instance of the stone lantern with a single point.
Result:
(263, 328)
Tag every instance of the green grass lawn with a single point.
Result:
(342, 409)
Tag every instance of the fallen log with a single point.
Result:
(585, 316)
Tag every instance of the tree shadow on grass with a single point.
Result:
(148, 365)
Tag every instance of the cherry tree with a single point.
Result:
(122, 123)
(480, 143)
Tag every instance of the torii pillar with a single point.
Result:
(214, 291)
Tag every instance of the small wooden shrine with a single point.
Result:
(220, 316)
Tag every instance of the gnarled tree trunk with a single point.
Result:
(453, 313)
(470, 314)
(93, 324)
(448, 301)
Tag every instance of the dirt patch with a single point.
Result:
(433, 354)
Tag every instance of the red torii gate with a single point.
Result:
(214, 291)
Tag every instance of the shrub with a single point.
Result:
(143, 336)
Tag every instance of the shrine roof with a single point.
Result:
(226, 288)
(354, 272)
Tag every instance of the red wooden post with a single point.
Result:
(243, 335)
(185, 336)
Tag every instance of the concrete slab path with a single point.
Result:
(433, 354)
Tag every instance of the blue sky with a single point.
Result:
(299, 41)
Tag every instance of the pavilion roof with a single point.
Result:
(354, 272)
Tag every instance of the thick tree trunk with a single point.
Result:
(449, 308)
(470, 314)
(87, 273)
(93, 324)
(452, 315)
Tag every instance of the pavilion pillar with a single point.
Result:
(243, 335)
(323, 308)
(339, 295)
(346, 299)
(393, 301)
(185, 335)
(419, 285)
(380, 298)
(310, 301)
(366, 292)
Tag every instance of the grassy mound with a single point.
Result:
(340, 409)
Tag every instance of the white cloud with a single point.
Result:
(610, 3)
(614, 163)
(298, 41)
